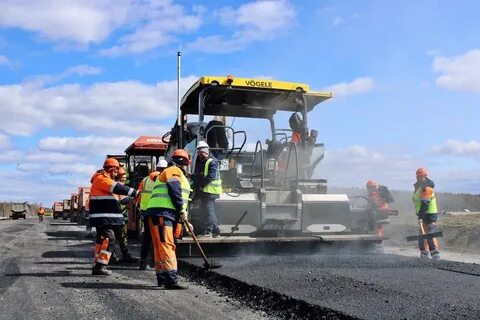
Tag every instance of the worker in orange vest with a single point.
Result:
(105, 212)
(40, 213)
(378, 198)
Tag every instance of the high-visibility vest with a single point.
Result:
(417, 200)
(215, 186)
(161, 199)
(148, 185)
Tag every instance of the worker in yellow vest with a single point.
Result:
(208, 187)
(166, 211)
(146, 187)
(425, 203)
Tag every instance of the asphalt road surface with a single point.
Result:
(45, 273)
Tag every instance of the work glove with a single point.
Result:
(184, 215)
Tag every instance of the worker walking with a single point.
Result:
(166, 211)
(105, 212)
(146, 187)
(425, 204)
(208, 187)
(40, 213)
(121, 232)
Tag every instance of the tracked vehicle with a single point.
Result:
(270, 191)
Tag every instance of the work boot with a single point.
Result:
(128, 258)
(216, 235)
(160, 281)
(206, 235)
(144, 265)
(176, 286)
(435, 254)
(101, 270)
(113, 259)
(425, 254)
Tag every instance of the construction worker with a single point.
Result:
(146, 187)
(425, 204)
(208, 187)
(166, 211)
(121, 232)
(40, 213)
(105, 212)
(378, 198)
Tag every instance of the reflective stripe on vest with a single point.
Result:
(146, 193)
(161, 199)
(432, 206)
(215, 186)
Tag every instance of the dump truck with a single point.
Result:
(83, 193)
(142, 157)
(66, 209)
(74, 207)
(19, 210)
(271, 193)
(57, 209)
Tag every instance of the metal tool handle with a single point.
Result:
(196, 241)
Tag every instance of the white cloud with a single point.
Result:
(88, 145)
(109, 108)
(4, 141)
(458, 148)
(79, 70)
(338, 21)
(354, 165)
(357, 86)
(164, 20)
(75, 21)
(9, 156)
(253, 21)
(459, 72)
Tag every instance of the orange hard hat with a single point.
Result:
(422, 172)
(111, 162)
(371, 183)
(181, 157)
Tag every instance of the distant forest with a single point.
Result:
(403, 199)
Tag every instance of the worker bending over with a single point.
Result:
(166, 211)
(425, 204)
(105, 212)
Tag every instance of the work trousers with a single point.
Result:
(207, 206)
(161, 230)
(429, 226)
(146, 242)
(104, 245)
(122, 238)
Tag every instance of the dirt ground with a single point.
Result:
(461, 233)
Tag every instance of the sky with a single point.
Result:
(83, 78)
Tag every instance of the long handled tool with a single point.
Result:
(207, 264)
(423, 235)
(235, 227)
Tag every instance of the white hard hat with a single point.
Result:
(162, 164)
(202, 144)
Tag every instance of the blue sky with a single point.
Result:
(81, 78)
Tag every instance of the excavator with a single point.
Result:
(270, 189)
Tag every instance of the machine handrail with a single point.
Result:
(292, 146)
(262, 174)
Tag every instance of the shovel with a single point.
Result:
(207, 264)
(423, 235)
